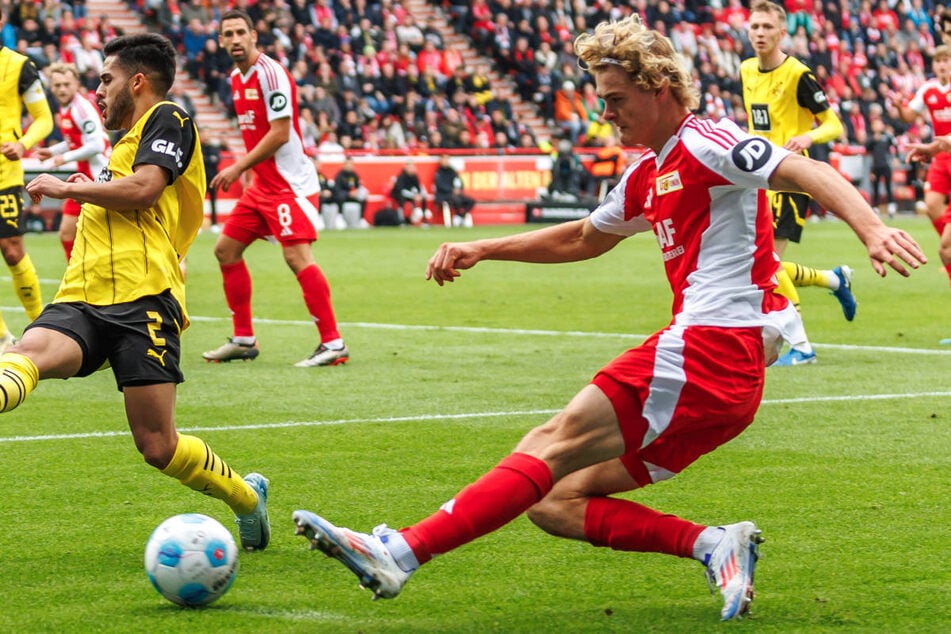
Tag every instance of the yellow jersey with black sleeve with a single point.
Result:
(785, 102)
(20, 86)
(120, 256)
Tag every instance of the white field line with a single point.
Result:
(442, 417)
(497, 331)
(518, 331)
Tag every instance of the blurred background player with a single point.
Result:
(121, 302)
(20, 87)
(783, 100)
(282, 201)
(84, 141)
(934, 98)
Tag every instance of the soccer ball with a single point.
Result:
(191, 559)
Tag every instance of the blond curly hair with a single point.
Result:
(647, 56)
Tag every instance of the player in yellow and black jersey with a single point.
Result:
(20, 87)
(122, 298)
(783, 102)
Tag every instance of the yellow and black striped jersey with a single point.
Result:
(19, 85)
(120, 256)
(783, 102)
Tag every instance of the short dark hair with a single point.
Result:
(148, 53)
(236, 14)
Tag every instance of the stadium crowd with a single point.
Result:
(373, 78)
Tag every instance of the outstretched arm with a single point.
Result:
(566, 242)
(885, 245)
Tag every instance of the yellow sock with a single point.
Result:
(785, 286)
(18, 377)
(27, 286)
(198, 467)
(806, 275)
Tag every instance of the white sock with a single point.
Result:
(403, 555)
(833, 280)
(334, 344)
(706, 542)
(244, 341)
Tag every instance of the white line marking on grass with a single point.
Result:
(425, 417)
(523, 331)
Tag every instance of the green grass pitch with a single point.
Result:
(845, 470)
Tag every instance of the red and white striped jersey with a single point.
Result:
(934, 98)
(268, 92)
(704, 198)
(85, 140)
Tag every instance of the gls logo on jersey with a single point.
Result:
(751, 154)
(89, 127)
(161, 146)
(278, 101)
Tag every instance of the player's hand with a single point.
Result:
(44, 153)
(448, 260)
(45, 185)
(799, 143)
(226, 177)
(925, 151)
(12, 151)
(895, 248)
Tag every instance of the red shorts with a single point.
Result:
(71, 208)
(938, 178)
(682, 394)
(286, 218)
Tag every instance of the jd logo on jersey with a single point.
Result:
(751, 154)
(278, 102)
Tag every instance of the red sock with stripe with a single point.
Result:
(237, 283)
(316, 292)
(508, 490)
(625, 525)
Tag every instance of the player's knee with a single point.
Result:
(155, 452)
(944, 252)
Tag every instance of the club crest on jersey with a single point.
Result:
(751, 154)
(251, 94)
(669, 182)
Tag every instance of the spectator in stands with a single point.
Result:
(448, 190)
(215, 67)
(569, 112)
(567, 173)
(881, 147)
(194, 37)
(181, 97)
(350, 195)
(410, 196)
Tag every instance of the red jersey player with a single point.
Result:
(282, 201)
(688, 389)
(85, 142)
(934, 98)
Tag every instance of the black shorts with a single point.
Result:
(789, 214)
(11, 212)
(140, 339)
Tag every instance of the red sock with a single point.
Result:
(237, 282)
(495, 499)
(625, 525)
(317, 298)
(68, 248)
